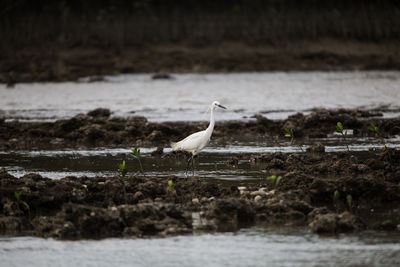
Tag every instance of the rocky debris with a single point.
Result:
(231, 214)
(233, 161)
(76, 221)
(158, 152)
(316, 148)
(100, 112)
(332, 223)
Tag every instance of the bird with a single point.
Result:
(195, 142)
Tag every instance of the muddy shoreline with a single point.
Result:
(311, 189)
(98, 128)
(62, 63)
(328, 192)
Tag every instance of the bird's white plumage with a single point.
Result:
(195, 142)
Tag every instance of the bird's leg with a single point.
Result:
(192, 165)
(187, 166)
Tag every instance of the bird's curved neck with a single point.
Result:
(212, 121)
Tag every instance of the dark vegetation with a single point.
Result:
(124, 22)
(64, 40)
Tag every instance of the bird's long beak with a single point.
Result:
(221, 106)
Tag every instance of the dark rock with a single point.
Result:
(100, 112)
(161, 75)
(316, 148)
(158, 152)
(332, 223)
(387, 225)
(10, 225)
(231, 214)
(233, 161)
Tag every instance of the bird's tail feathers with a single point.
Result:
(174, 146)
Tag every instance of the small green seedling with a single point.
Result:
(377, 132)
(374, 129)
(18, 198)
(336, 195)
(289, 133)
(123, 171)
(171, 193)
(340, 129)
(349, 200)
(273, 179)
(136, 154)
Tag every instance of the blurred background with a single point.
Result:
(63, 40)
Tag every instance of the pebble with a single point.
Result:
(204, 199)
(113, 208)
(258, 193)
(195, 200)
(257, 198)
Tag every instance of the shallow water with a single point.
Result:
(210, 164)
(186, 97)
(249, 247)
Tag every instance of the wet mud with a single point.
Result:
(99, 128)
(330, 193)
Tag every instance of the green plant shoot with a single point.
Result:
(123, 171)
(349, 200)
(374, 129)
(122, 168)
(340, 129)
(136, 154)
(289, 134)
(171, 183)
(336, 195)
(273, 179)
(18, 198)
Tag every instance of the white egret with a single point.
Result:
(195, 142)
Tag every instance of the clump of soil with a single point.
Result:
(303, 193)
(99, 128)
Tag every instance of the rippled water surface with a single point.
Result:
(211, 163)
(186, 96)
(248, 247)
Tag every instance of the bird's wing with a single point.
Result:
(189, 143)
